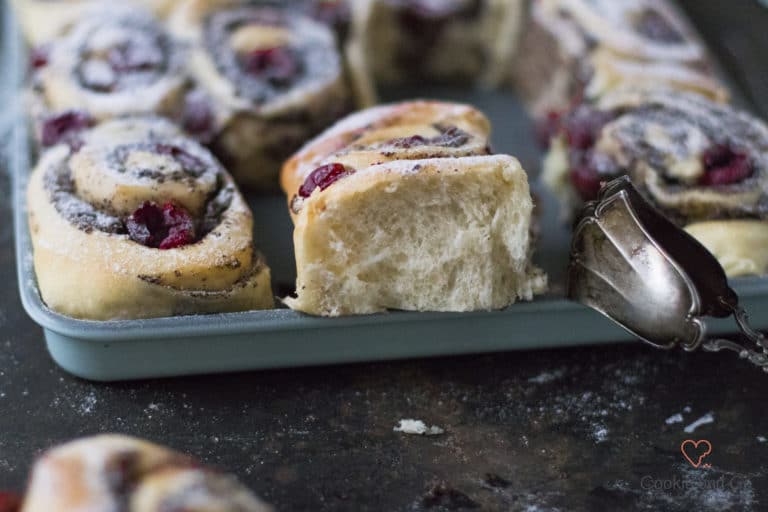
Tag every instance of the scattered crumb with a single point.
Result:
(88, 405)
(704, 420)
(600, 435)
(687, 409)
(417, 427)
(677, 418)
(546, 377)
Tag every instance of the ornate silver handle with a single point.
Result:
(643, 272)
(759, 358)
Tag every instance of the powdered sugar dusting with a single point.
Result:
(88, 405)
(677, 418)
(704, 420)
(547, 377)
(600, 434)
(712, 489)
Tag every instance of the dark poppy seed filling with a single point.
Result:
(191, 167)
(83, 215)
(117, 58)
(449, 137)
(66, 127)
(725, 165)
(655, 26)
(164, 226)
(124, 472)
(261, 74)
(323, 177)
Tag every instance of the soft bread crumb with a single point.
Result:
(452, 236)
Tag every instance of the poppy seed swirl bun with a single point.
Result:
(585, 48)
(115, 62)
(268, 79)
(703, 164)
(142, 222)
(668, 141)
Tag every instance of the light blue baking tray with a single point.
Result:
(119, 350)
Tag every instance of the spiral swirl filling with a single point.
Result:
(262, 51)
(160, 193)
(696, 159)
(122, 54)
(655, 26)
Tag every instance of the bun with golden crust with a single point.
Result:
(404, 207)
(112, 62)
(268, 79)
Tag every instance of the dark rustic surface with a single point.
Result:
(585, 429)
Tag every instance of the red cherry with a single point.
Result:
(163, 228)
(583, 125)
(725, 165)
(548, 127)
(585, 177)
(323, 177)
(181, 227)
(9, 502)
(38, 57)
(278, 64)
(66, 127)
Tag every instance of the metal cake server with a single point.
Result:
(636, 267)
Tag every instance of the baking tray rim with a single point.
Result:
(230, 323)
